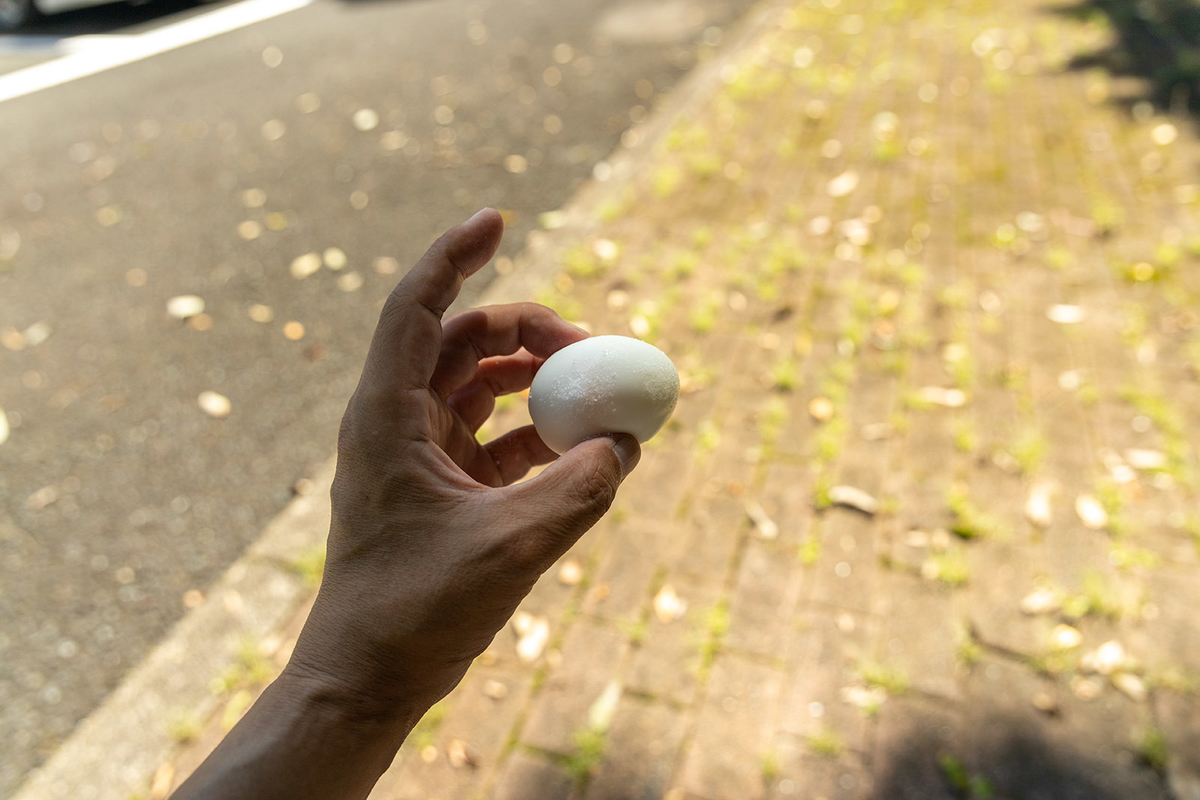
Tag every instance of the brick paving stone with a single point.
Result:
(667, 662)
(919, 634)
(787, 497)
(643, 745)
(711, 533)
(1178, 715)
(762, 606)
(657, 498)
(802, 774)
(628, 560)
(527, 776)
(1086, 752)
(846, 574)
(1171, 641)
(1004, 574)
(827, 650)
(482, 722)
(724, 760)
(591, 655)
(912, 734)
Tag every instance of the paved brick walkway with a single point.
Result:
(907, 261)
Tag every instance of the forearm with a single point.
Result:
(301, 741)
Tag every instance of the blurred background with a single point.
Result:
(349, 134)
(202, 207)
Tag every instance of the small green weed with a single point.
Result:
(1152, 750)
(826, 743)
(971, 787)
(892, 680)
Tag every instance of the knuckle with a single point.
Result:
(595, 493)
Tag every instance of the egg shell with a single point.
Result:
(605, 384)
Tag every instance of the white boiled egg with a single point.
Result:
(605, 384)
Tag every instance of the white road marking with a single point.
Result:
(92, 59)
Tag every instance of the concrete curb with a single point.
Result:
(114, 753)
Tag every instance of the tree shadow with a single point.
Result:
(1006, 757)
(1155, 40)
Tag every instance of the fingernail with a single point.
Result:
(478, 214)
(582, 330)
(628, 453)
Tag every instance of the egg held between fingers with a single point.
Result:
(605, 384)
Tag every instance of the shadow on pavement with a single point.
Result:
(1012, 758)
(1155, 40)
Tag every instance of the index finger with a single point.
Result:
(480, 333)
(404, 351)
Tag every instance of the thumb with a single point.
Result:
(572, 494)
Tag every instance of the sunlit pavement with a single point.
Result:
(148, 442)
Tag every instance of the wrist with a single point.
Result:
(351, 706)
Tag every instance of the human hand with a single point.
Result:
(431, 548)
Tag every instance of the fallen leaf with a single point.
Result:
(864, 697)
(214, 404)
(43, 497)
(334, 258)
(1131, 686)
(843, 184)
(1106, 660)
(260, 313)
(1037, 507)
(37, 333)
(429, 754)
(876, 431)
(185, 305)
(366, 119)
(1146, 460)
(1045, 702)
(1065, 315)
(1091, 512)
(350, 282)
(606, 250)
(1064, 637)
(1086, 688)
(821, 409)
(602, 711)
(305, 265)
(1040, 601)
(385, 265)
(617, 300)
(854, 498)
(249, 230)
(767, 527)
(293, 330)
(1164, 134)
(4, 429)
(669, 606)
(495, 689)
(164, 776)
(12, 339)
(533, 634)
(460, 754)
(1070, 380)
(947, 398)
(570, 573)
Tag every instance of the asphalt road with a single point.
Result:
(368, 127)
